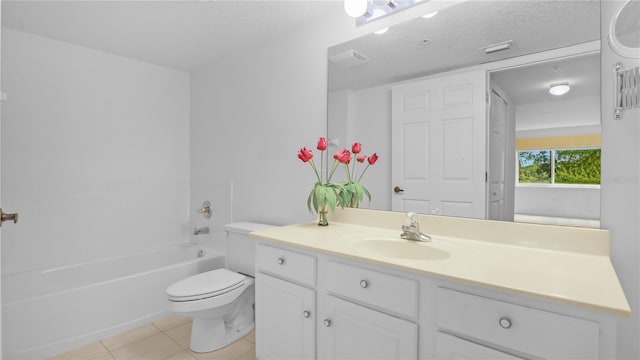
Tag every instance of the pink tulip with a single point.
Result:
(356, 148)
(372, 159)
(343, 156)
(322, 143)
(305, 154)
(361, 158)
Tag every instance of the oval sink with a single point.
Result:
(401, 249)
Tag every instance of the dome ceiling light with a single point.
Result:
(558, 89)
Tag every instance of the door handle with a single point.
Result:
(398, 190)
(8, 217)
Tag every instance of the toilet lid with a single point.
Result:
(206, 283)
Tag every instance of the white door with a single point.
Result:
(497, 156)
(285, 319)
(438, 131)
(349, 331)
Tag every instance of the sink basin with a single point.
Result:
(400, 249)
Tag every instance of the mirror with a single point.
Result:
(624, 32)
(544, 41)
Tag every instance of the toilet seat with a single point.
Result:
(205, 285)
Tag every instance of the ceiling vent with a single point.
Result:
(349, 58)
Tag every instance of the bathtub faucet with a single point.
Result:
(202, 230)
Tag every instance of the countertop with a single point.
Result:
(565, 264)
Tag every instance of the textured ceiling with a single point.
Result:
(455, 35)
(177, 34)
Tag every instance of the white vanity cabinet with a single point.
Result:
(351, 328)
(515, 329)
(350, 331)
(317, 305)
(449, 347)
(285, 304)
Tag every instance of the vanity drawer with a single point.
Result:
(286, 264)
(372, 287)
(531, 331)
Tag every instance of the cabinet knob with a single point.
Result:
(306, 314)
(280, 261)
(505, 322)
(327, 322)
(364, 284)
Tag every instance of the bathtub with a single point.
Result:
(49, 311)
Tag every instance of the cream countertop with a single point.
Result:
(559, 263)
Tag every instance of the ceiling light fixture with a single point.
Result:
(355, 8)
(369, 10)
(430, 15)
(559, 88)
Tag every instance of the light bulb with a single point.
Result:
(430, 15)
(355, 8)
(381, 31)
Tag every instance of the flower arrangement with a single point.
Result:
(326, 194)
(355, 190)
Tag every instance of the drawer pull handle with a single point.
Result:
(327, 322)
(505, 322)
(280, 261)
(364, 284)
(306, 314)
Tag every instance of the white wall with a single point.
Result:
(366, 117)
(620, 205)
(576, 112)
(104, 168)
(252, 111)
(563, 202)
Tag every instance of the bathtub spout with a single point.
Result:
(202, 230)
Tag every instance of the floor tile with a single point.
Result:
(156, 347)
(232, 351)
(171, 322)
(181, 335)
(251, 336)
(182, 355)
(129, 337)
(249, 355)
(93, 351)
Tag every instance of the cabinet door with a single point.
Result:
(349, 331)
(449, 347)
(285, 319)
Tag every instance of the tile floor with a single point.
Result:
(166, 338)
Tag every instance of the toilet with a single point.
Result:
(221, 301)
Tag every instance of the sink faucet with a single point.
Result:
(411, 230)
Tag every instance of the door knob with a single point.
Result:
(398, 189)
(8, 217)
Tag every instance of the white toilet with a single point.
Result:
(220, 301)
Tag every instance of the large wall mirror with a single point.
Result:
(459, 107)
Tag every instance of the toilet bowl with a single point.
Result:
(221, 301)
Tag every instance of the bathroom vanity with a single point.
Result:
(480, 289)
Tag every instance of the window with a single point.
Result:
(559, 166)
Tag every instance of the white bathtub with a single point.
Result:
(53, 310)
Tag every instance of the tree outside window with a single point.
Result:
(561, 166)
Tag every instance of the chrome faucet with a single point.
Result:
(411, 230)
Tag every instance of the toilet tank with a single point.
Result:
(241, 247)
